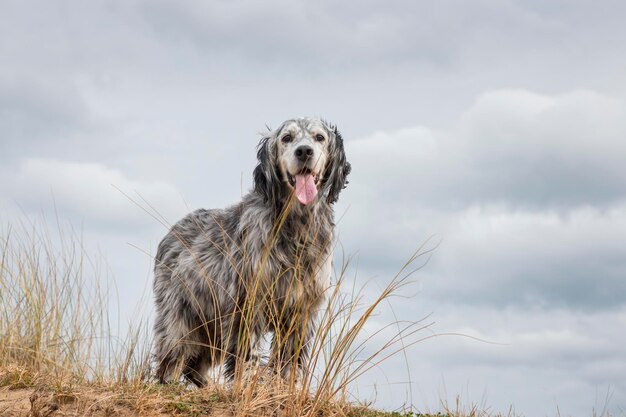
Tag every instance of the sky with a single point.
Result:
(494, 130)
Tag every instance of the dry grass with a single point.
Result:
(58, 353)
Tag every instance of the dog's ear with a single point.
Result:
(338, 168)
(266, 180)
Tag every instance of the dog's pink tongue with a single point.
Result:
(306, 191)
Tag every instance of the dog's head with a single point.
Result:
(304, 157)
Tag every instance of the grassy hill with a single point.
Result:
(59, 357)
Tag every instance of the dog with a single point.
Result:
(225, 278)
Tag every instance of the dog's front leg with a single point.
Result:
(291, 345)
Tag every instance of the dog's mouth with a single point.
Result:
(305, 182)
(303, 172)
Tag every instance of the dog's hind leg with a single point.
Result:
(196, 369)
(238, 349)
(291, 344)
(166, 366)
(164, 369)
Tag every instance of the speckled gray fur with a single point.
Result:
(225, 277)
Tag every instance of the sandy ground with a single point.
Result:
(15, 402)
(30, 402)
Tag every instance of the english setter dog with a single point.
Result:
(224, 278)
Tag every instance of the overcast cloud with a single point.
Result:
(496, 126)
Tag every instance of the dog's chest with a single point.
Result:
(304, 255)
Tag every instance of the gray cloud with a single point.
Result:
(541, 151)
(39, 116)
(563, 351)
(513, 147)
(89, 192)
(491, 256)
(526, 193)
(530, 358)
(316, 38)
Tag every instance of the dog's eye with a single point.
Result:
(319, 138)
(286, 138)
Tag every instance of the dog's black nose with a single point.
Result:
(304, 152)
